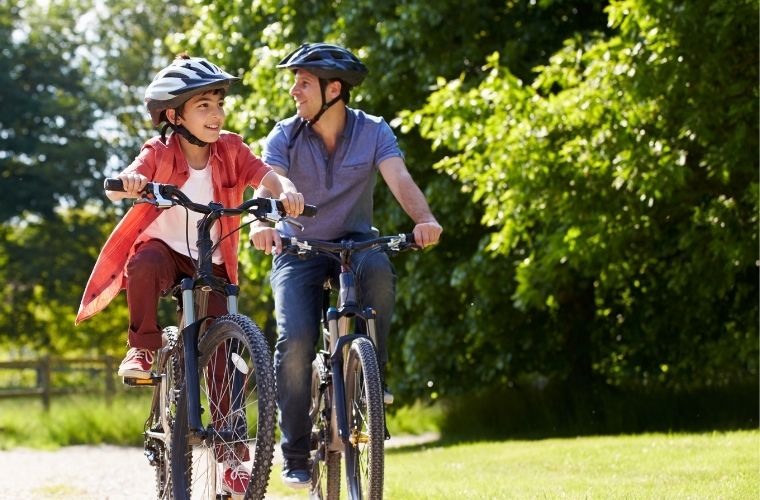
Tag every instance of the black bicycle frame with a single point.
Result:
(201, 285)
(347, 307)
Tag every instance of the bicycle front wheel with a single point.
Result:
(164, 409)
(325, 473)
(238, 396)
(366, 422)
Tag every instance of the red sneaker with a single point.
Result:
(136, 363)
(236, 477)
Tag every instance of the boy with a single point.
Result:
(147, 253)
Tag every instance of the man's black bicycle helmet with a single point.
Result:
(326, 61)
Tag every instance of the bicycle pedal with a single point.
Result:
(154, 380)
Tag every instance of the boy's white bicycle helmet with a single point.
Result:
(181, 80)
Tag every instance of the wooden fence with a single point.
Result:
(54, 376)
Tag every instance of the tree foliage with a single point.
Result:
(47, 149)
(407, 46)
(622, 189)
(72, 75)
(594, 166)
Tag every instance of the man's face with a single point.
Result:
(305, 91)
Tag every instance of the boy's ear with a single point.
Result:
(171, 115)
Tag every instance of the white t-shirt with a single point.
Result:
(175, 224)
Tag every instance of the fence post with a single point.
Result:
(108, 361)
(43, 380)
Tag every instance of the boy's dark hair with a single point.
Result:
(179, 109)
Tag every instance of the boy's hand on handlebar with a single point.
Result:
(427, 233)
(264, 238)
(292, 203)
(133, 183)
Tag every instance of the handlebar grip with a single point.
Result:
(113, 185)
(308, 210)
(409, 238)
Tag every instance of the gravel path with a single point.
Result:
(96, 472)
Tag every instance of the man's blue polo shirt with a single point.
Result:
(340, 185)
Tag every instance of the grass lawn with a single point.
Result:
(716, 465)
(82, 419)
(704, 465)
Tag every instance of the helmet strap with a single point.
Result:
(181, 130)
(325, 107)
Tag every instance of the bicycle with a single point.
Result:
(227, 359)
(347, 408)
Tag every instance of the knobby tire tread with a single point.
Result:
(362, 356)
(245, 330)
(327, 487)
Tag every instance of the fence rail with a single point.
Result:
(95, 374)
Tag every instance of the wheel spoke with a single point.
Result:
(234, 368)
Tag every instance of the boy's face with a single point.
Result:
(203, 115)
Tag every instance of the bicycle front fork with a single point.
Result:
(339, 339)
(190, 335)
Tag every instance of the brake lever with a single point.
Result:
(400, 242)
(158, 199)
(273, 215)
(292, 222)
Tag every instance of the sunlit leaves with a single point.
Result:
(605, 169)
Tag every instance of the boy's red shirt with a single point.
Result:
(234, 167)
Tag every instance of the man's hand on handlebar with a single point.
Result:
(292, 203)
(266, 239)
(427, 233)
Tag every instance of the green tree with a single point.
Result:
(47, 148)
(438, 332)
(126, 48)
(622, 189)
(73, 75)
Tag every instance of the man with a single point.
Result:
(332, 152)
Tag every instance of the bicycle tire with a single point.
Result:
(325, 474)
(365, 451)
(166, 393)
(237, 345)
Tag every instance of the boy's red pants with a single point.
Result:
(154, 270)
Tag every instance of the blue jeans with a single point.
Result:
(298, 292)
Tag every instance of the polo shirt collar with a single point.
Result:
(350, 120)
(347, 130)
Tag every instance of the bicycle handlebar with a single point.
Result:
(168, 195)
(395, 243)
